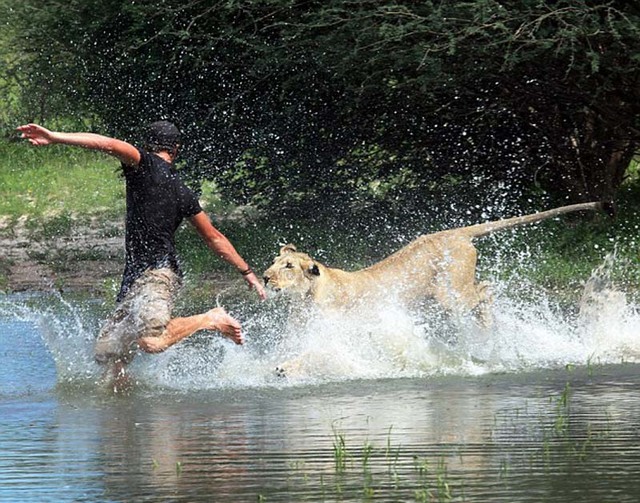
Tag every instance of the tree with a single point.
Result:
(564, 75)
(360, 105)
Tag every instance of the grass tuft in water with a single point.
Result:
(340, 452)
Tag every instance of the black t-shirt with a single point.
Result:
(157, 202)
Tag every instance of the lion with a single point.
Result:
(438, 267)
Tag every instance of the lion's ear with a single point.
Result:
(288, 249)
(314, 270)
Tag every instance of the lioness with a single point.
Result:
(439, 266)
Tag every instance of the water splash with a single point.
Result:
(608, 323)
(529, 332)
(66, 328)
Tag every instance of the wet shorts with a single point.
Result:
(144, 311)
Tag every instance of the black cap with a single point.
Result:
(162, 135)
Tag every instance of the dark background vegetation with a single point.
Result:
(328, 110)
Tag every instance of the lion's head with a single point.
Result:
(291, 271)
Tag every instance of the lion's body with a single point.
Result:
(439, 266)
(429, 267)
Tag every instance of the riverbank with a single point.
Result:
(87, 257)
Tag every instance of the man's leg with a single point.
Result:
(146, 309)
(143, 319)
(180, 328)
(114, 349)
(116, 344)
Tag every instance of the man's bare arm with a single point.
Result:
(218, 242)
(40, 136)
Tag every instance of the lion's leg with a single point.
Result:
(457, 290)
(458, 301)
(476, 299)
(483, 311)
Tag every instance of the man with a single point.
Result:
(157, 202)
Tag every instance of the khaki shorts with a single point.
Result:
(144, 311)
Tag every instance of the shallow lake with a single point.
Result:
(542, 408)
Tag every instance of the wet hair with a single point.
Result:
(162, 135)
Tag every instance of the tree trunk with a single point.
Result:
(590, 153)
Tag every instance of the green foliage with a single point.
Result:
(561, 255)
(9, 87)
(326, 109)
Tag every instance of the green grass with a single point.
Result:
(55, 181)
(57, 184)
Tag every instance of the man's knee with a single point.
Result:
(152, 344)
(112, 348)
(153, 326)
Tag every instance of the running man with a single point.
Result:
(157, 203)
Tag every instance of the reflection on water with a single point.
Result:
(491, 438)
(387, 408)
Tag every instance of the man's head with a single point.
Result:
(162, 136)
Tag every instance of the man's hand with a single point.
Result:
(37, 135)
(255, 284)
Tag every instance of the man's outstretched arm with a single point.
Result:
(223, 247)
(40, 136)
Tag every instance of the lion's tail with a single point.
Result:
(481, 230)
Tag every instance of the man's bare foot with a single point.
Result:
(219, 319)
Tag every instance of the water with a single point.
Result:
(387, 408)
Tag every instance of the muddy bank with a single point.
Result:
(84, 256)
(79, 256)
